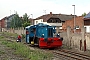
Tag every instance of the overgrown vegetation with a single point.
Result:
(8, 34)
(17, 21)
(84, 14)
(25, 51)
(2, 52)
(66, 47)
(23, 36)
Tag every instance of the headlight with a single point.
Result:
(57, 34)
(42, 35)
(32, 42)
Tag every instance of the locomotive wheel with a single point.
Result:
(51, 48)
(32, 45)
(61, 38)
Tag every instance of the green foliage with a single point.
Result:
(26, 24)
(19, 22)
(26, 18)
(84, 14)
(16, 21)
(2, 52)
(25, 51)
(1, 37)
(9, 34)
(26, 21)
(23, 36)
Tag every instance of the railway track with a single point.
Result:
(70, 55)
(63, 54)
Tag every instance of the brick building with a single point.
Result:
(79, 23)
(2, 22)
(5, 22)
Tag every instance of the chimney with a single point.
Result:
(50, 13)
(59, 13)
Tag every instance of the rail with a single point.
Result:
(71, 55)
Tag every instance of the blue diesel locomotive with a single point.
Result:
(43, 36)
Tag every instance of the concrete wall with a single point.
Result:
(18, 30)
(73, 39)
(87, 37)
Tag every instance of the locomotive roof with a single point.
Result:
(40, 24)
(28, 26)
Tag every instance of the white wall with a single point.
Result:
(87, 29)
(52, 24)
(38, 21)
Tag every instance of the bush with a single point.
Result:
(23, 36)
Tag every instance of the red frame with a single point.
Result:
(50, 43)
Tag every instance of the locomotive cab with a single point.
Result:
(31, 35)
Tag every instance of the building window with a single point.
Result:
(56, 21)
(51, 20)
(36, 22)
(63, 21)
(77, 27)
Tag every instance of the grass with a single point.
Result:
(66, 47)
(9, 34)
(2, 52)
(23, 50)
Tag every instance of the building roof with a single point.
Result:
(87, 16)
(7, 17)
(11, 16)
(62, 17)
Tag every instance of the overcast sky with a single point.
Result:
(38, 7)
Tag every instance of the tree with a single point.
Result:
(84, 14)
(20, 22)
(26, 21)
(26, 24)
(26, 18)
(16, 21)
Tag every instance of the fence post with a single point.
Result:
(83, 37)
(84, 45)
(68, 35)
(80, 44)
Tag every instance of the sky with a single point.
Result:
(36, 8)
